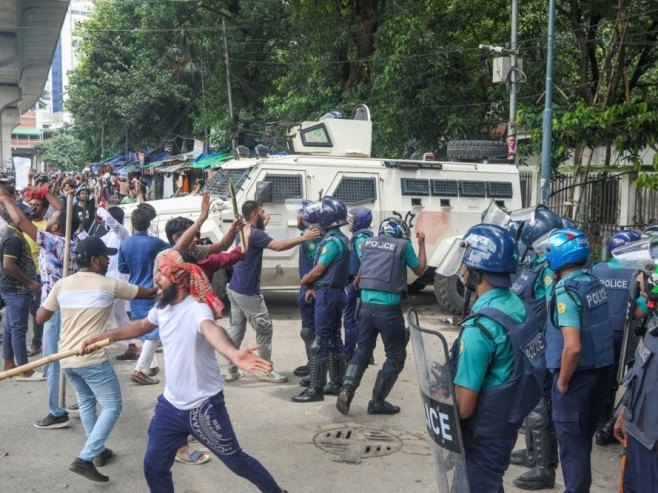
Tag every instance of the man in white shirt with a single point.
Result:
(193, 399)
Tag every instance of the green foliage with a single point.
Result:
(63, 152)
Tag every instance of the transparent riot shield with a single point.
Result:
(441, 415)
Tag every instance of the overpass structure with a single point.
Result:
(29, 30)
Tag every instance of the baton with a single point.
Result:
(61, 398)
(628, 325)
(236, 212)
(49, 359)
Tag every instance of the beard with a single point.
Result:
(260, 223)
(167, 295)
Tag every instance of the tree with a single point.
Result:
(63, 152)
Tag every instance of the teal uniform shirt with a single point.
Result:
(641, 304)
(331, 250)
(310, 247)
(483, 362)
(544, 283)
(384, 297)
(358, 245)
(568, 306)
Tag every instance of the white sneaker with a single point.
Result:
(273, 376)
(231, 376)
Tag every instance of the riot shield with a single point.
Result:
(441, 415)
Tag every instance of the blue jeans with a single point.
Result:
(96, 383)
(51, 346)
(210, 424)
(17, 313)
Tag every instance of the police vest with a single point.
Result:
(523, 285)
(595, 330)
(641, 397)
(382, 264)
(306, 257)
(336, 275)
(355, 261)
(617, 284)
(500, 410)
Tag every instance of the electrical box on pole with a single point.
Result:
(502, 66)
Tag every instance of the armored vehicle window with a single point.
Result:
(499, 189)
(316, 136)
(411, 186)
(285, 187)
(353, 190)
(445, 188)
(218, 184)
(472, 188)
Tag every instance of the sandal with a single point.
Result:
(141, 379)
(128, 355)
(192, 457)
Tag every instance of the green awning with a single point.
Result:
(27, 131)
(212, 160)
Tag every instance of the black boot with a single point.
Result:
(542, 475)
(336, 373)
(301, 371)
(380, 391)
(352, 380)
(605, 435)
(305, 381)
(524, 457)
(318, 381)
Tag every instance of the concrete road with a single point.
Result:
(281, 434)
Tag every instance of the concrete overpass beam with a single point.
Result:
(8, 49)
(9, 95)
(10, 119)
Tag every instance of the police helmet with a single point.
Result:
(361, 218)
(543, 221)
(566, 247)
(568, 223)
(394, 227)
(651, 283)
(651, 230)
(332, 213)
(621, 238)
(491, 249)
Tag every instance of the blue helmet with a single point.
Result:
(491, 249)
(361, 218)
(332, 213)
(620, 238)
(394, 227)
(565, 247)
(309, 214)
(543, 222)
(568, 223)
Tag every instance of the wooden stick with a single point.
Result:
(49, 359)
(65, 272)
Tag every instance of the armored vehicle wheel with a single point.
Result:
(476, 150)
(449, 292)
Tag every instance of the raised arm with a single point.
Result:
(243, 358)
(281, 245)
(17, 216)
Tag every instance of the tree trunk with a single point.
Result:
(364, 25)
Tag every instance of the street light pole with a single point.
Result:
(547, 128)
(511, 125)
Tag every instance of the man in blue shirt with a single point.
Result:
(244, 289)
(136, 257)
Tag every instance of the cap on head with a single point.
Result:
(92, 246)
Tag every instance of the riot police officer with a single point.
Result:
(382, 280)
(359, 220)
(617, 281)
(326, 283)
(534, 285)
(498, 357)
(579, 352)
(307, 250)
(636, 425)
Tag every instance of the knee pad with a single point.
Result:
(307, 334)
(318, 343)
(538, 417)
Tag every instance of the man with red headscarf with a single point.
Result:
(193, 398)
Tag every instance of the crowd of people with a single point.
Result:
(546, 326)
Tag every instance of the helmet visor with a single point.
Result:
(450, 264)
(295, 205)
(523, 215)
(541, 244)
(495, 215)
(640, 254)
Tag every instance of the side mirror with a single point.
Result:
(263, 192)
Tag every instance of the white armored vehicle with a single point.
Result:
(333, 157)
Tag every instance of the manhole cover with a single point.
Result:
(354, 443)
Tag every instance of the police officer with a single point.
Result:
(534, 285)
(493, 388)
(579, 352)
(382, 280)
(359, 220)
(326, 283)
(636, 425)
(306, 218)
(617, 281)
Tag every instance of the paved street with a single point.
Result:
(282, 435)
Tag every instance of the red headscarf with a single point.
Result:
(180, 272)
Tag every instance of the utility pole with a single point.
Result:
(547, 128)
(206, 144)
(511, 78)
(228, 78)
